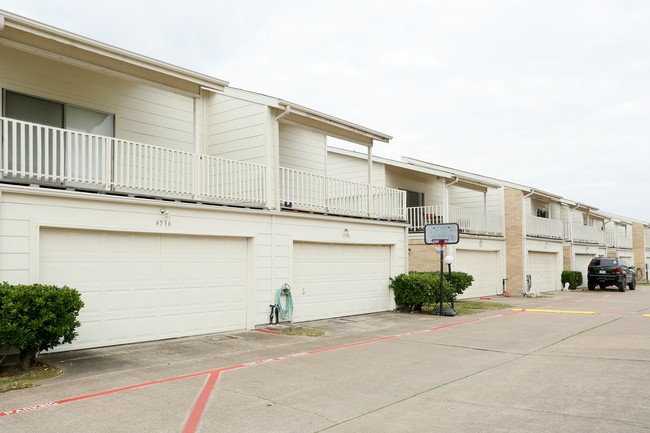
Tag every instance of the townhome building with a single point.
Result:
(435, 195)
(584, 236)
(175, 204)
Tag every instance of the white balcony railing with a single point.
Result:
(584, 234)
(468, 220)
(476, 222)
(39, 154)
(420, 216)
(313, 192)
(544, 227)
(615, 240)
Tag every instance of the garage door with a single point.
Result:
(581, 263)
(543, 269)
(141, 287)
(484, 267)
(334, 280)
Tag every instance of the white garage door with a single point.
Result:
(543, 269)
(484, 267)
(581, 263)
(334, 280)
(142, 287)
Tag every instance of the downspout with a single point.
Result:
(446, 209)
(573, 255)
(524, 253)
(370, 204)
(276, 183)
(607, 220)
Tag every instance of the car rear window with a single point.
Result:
(602, 261)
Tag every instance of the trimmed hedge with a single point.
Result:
(574, 278)
(37, 317)
(416, 289)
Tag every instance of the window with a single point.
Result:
(54, 155)
(414, 199)
(44, 112)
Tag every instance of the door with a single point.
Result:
(143, 287)
(544, 272)
(333, 280)
(485, 267)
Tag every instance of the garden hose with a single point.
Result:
(286, 313)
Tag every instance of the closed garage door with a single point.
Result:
(543, 269)
(334, 280)
(484, 267)
(581, 263)
(141, 287)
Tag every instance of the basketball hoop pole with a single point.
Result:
(441, 251)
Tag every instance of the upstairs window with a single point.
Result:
(56, 114)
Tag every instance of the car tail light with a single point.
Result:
(618, 271)
(590, 270)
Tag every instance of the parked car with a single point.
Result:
(606, 271)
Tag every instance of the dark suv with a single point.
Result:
(606, 271)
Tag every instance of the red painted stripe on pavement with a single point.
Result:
(116, 390)
(197, 412)
(237, 366)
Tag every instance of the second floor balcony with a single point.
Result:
(617, 240)
(584, 234)
(37, 154)
(469, 221)
(544, 227)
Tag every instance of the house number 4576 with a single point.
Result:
(163, 223)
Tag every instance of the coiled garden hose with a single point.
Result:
(286, 313)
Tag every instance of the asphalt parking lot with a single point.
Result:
(581, 364)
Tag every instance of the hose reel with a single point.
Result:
(285, 313)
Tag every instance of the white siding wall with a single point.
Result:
(354, 169)
(270, 236)
(431, 186)
(237, 129)
(302, 148)
(470, 199)
(143, 113)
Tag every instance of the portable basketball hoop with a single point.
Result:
(441, 235)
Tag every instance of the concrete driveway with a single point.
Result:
(503, 371)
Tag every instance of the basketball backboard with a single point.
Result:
(441, 233)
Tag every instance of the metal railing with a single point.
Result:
(544, 227)
(476, 222)
(616, 240)
(584, 234)
(420, 216)
(34, 153)
(312, 192)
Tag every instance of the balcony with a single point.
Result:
(476, 222)
(469, 221)
(37, 154)
(315, 193)
(615, 240)
(544, 227)
(584, 234)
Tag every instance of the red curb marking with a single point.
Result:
(203, 399)
(269, 331)
(197, 412)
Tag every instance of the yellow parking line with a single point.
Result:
(532, 310)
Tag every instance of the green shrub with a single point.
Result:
(574, 278)
(37, 317)
(415, 289)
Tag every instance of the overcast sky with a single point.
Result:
(550, 94)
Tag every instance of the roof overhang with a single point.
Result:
(24, 34)
(332, 126)
(465, 180)
(392, 163)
